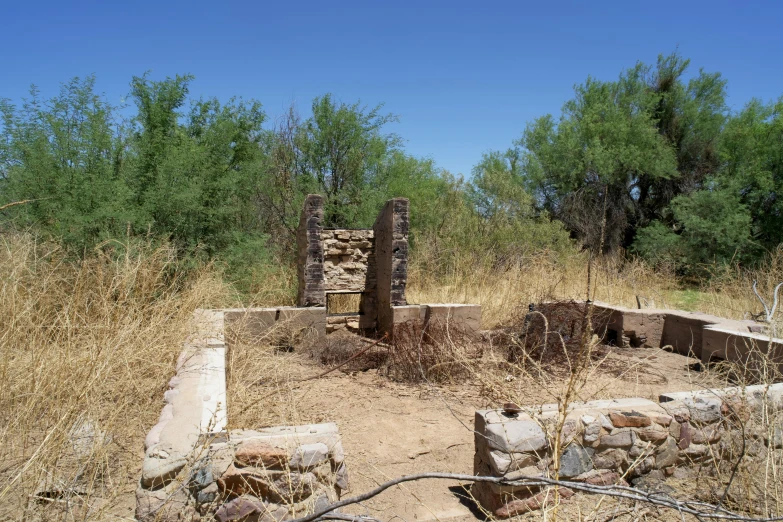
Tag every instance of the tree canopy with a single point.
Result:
(654, 160)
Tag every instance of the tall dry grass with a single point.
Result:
(502, 286)
(86, 350)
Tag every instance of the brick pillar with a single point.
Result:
(391, 260)
(310, 265)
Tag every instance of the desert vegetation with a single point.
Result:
(116, 223)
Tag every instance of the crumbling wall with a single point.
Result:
(391, 254)
(193, 467)
(281, 472)
(349, 260)
(611, 441)
(699, 335)
(310, 265)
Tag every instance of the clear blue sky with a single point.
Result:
(464, 77)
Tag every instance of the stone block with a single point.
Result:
(509, 435)
(463, 316)
(576, 460)
(628, 419)
(619, 438)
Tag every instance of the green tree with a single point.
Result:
(634, 144)
(752, 154)
(713, 226)
(65, 155)
(587, 167)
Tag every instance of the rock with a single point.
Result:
(208, 494)
(704, 410)
(641, 467)
(652, 482)
(537, 501)
(161, 505)
(309, 456)
(678, 410)
(221, 456)
(674, 430)
(516, 436)
(341, 477)
(575, 461)
(695, 451)
(201, 477)
(599, 477)
(240, 508)
(570, 431)
(666, 454)
(256, 452)
(592, 432)
(502, 463)
(623, 438)
(629, 419)
(777, 437)
(705, 435)
(587, 419)
(685, 436)
(641, 448)
(663, 420)
(652, 433)
(610, 459)
(605, 422)
(277, 486)
(161, 465)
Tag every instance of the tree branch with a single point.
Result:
(695, 508)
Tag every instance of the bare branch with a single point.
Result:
(695, 508)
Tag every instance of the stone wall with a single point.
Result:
(391, 254)
(310, 265)
(281, 472)
(194, 467)
(700, 335)
(614, 441)
(349, 260)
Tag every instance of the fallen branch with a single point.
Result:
(695, 508)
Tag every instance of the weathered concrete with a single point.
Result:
(256, 324)
(696, 334)
(465, 317)
(311, 253)
(391, 260)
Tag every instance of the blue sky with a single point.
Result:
(464, 77)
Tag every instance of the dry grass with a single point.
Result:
(86, 350)
(502, 288)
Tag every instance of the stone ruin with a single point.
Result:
(195, 467)
(371, 263)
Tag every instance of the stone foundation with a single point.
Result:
(193, 467)
(614, 441)
(703, 336)
(280, 473)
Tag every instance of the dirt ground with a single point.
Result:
(391, 429)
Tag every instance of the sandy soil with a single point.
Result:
(391, 429)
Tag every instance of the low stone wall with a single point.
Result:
(255, 324)
(463, 316)
(614, 441)
(193, 467)
(281, 472)
(704, 336)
